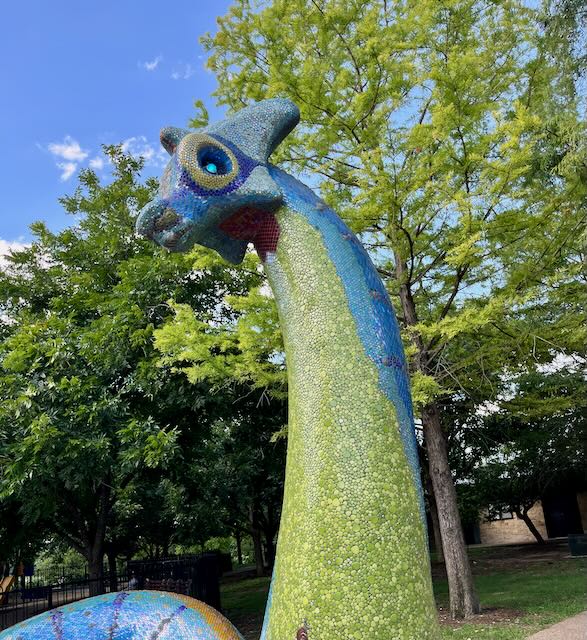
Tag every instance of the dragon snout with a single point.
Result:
(166, 221)
(158, 221)
(152, 218)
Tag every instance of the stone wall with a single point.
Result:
(515, 531)
(512, 531)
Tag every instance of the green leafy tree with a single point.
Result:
(87, 412)
(18, 542)
(530, 445)
(255, 470)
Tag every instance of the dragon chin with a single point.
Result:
(229, 238)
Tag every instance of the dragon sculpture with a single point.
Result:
(352, 560)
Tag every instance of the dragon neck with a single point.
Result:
(352, 542)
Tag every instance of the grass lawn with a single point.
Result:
(522, 590)
(537, 596)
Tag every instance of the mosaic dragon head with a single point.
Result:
(215, 175)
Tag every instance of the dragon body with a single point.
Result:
(352, 560)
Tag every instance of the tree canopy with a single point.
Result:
(88, 413)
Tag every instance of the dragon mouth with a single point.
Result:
(229, 236)
(255, 225)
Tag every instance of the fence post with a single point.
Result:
(205, 583)
(50, 596)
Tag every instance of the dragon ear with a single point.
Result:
(170, 137)
(259, 128)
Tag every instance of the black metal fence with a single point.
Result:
(19, 604)
(197, 576)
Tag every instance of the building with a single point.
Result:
(554, 516)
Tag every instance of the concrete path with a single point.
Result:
(574, 628)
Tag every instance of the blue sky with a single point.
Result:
(78, 74)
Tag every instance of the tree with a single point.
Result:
(565, 28)
(531, 444)
(87, 412)
(256, 466)
(18, 543)
(423, 125)
(243, 451)
(246, 356)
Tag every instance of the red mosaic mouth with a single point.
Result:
(256, 226)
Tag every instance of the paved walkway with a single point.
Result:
(574, 628)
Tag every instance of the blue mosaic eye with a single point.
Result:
(214, 160)
(207, 163)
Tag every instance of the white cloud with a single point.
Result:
(67, 169)
(70, 156)
(6, 246)
(266, 290)
(69, 150)
(183, 72)
(97, 163)
(140, 147)
(152, 64)
(487, 408)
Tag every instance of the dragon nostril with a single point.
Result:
(167, 219)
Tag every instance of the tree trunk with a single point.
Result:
(257, 543)
(270, 547)
(95, 547)
(523, 515)
(112, 577)
(239, 546)
(435, 521)
(270, 528)
(463, 599)
(96, 572)
(258, 549)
